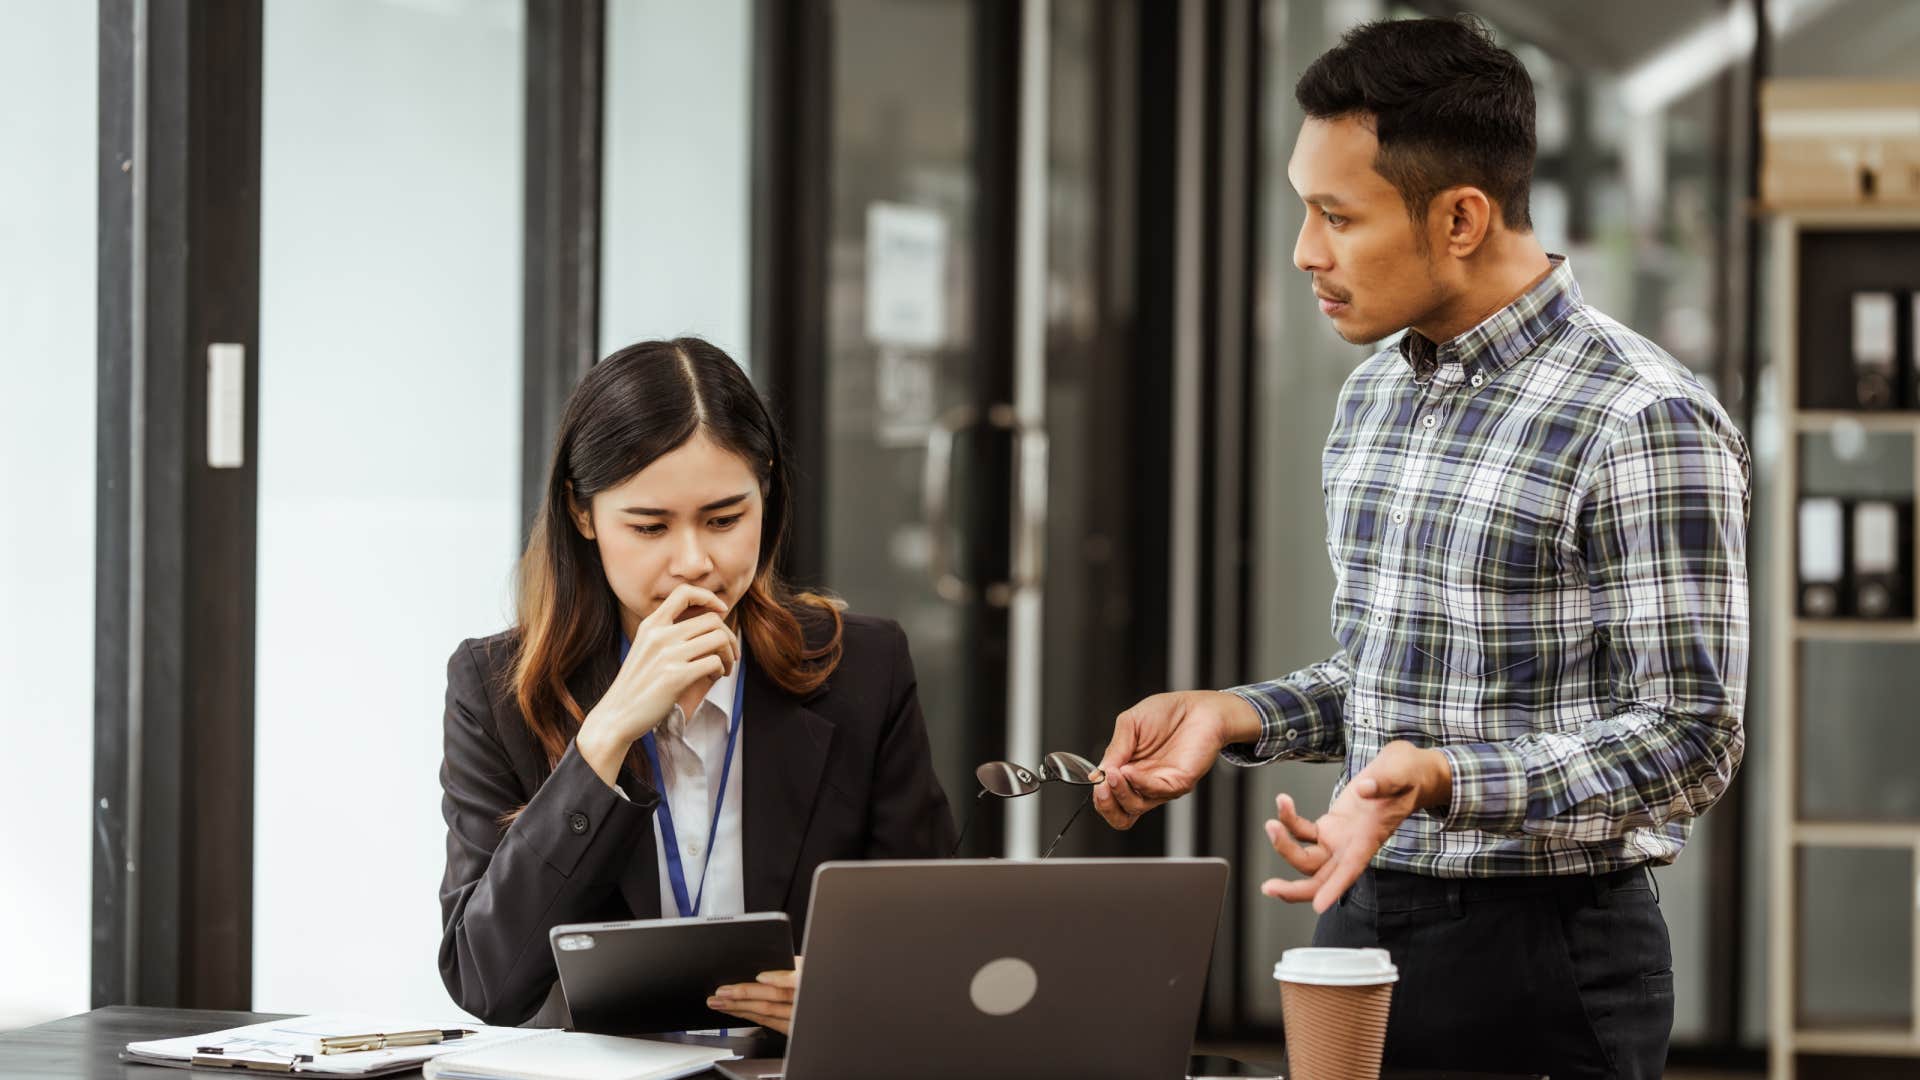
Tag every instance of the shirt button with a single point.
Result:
(1399, 517)
(1380, 618)
(1477, 379)
(693, 849)
(577, 822)
(1292, 734)
(1428, 421)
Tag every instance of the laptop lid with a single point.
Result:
(967, 968)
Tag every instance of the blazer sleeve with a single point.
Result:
(507, 886)
(910, 818)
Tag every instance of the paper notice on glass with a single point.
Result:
(906, 276)
(905, 387)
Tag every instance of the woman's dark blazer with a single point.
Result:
(843, 773)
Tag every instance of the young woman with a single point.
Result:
(668, 729)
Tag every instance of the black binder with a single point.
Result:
(1876, 320)
(1881, 567)
(1913, 350)
(1821, 578)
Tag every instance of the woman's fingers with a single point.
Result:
(687, 629)
(720, 643)
(773, 1018)
(754, 991)
(758, 1012)
(679, 600)
(769, 1004)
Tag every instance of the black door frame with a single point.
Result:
(792, 105)
(179, 270)
(561, 241)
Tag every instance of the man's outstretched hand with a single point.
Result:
(1334, 850)
(1163, 746)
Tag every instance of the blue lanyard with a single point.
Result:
(676, 871)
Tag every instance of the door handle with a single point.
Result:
(939, 477)
(1029, 485)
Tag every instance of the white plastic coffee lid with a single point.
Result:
(1336, 967)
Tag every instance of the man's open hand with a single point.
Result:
(1334, 850)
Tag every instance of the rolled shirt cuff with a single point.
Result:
(1489, 789)
(1277, 735)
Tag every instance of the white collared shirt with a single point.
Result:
(692, 753)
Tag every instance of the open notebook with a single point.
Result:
(572, 1055)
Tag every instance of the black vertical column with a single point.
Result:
(984, 502)
(175, 556)
(792, 124)
(1231, 264)
(566, 52)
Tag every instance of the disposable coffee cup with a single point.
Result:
(1335, 1004)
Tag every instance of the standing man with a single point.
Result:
(1537, 521)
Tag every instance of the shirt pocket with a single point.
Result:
(1488, 579)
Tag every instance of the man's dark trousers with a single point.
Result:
(1570, 976)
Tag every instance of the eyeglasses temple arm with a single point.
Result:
(1068, 825)
(968, 824)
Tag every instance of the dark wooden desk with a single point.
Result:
(87, 1046)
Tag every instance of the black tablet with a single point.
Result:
(646, 976)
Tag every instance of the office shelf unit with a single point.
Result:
(1803, 841)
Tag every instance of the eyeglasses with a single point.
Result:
(1010, 781)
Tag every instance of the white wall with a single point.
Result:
(676, 194)
(47, 318)
(389, 470)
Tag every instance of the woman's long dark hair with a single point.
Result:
(633, 407)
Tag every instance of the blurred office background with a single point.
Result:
(1018, 276)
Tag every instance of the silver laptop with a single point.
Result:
(968, 968)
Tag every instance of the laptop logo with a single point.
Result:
(1003, 987)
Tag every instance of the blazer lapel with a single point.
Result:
(784, 756)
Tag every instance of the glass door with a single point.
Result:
(911, 485)
(974, 404)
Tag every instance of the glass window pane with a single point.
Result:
(47, 319)
(389, 467)
(1858, 742)
(675, 197)
(1856, 937)
(902, 190)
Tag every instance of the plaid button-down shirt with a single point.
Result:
(1538, 533)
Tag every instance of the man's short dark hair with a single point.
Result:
(1448, 105)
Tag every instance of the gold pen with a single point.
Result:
(209, 1057)
(347, 1044)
